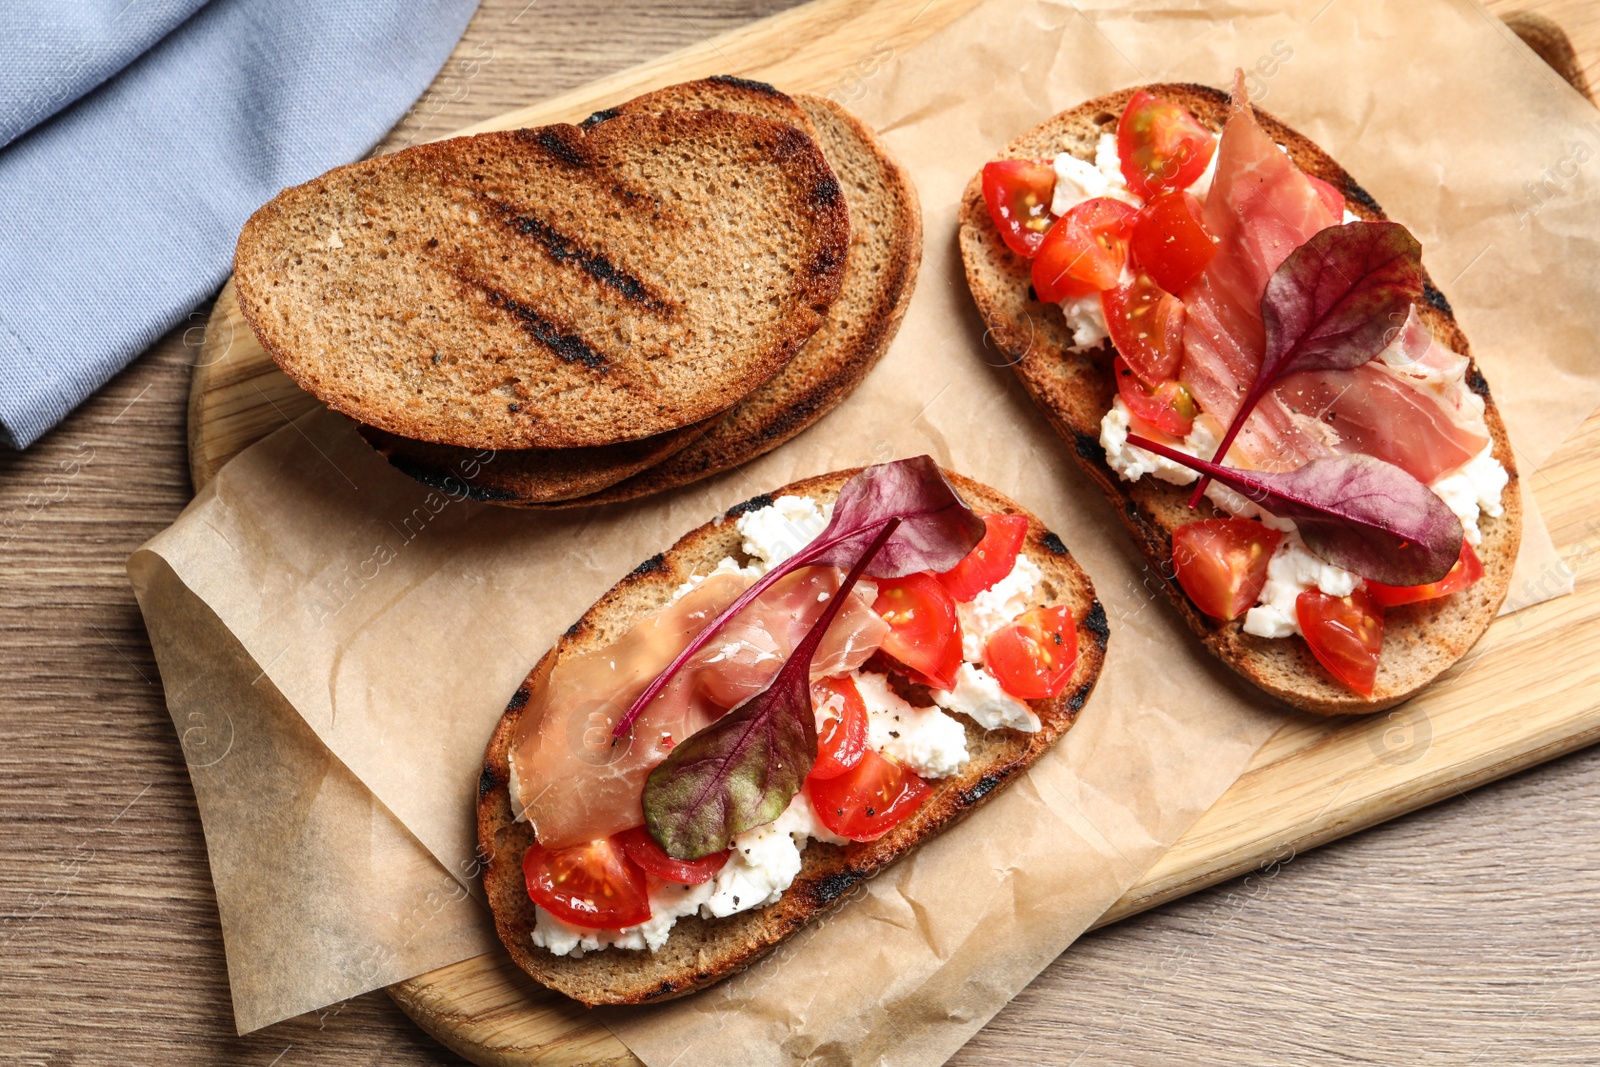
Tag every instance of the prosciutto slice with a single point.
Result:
(576, 785)
(1409, 407)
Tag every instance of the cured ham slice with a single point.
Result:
(1409, 406)
(579, 786)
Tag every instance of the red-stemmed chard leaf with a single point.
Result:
(935, 532)
(744, 769)
(1357, 512)
(1333, 304)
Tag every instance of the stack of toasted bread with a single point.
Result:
(575, 315)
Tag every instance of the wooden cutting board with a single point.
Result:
(1520, 698)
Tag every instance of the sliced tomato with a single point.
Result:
(1467, 571)
(1169, 407)
(643, 850)
(924, 632)
(1169, 240)
(1222, 563)
(868, 800)
(1018, 193)
(1146, 324)
(1332, 198)
(594, 885)
(990, 560)
(1345, 634)
(842, 741)
(1033, 656)
(1084, 251)
(1162, 146)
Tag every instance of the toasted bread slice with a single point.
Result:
(553, 287)
(700, 952)
(524, 476)
(1074, 390)
(885, 253)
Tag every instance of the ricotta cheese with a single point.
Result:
(1293, 570)
(728, 565)
(1132, 463)
(978, 696)
(772, 534)
(1474, 490)
(1078, 180)
(926, 740)
(996, 606)
(1086, 318)
(765, 860)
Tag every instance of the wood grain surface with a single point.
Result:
(1461, 934)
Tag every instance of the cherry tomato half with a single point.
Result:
(1222, 563)
(1018, 193)
(842, 741)
(594, 885)
(643, 850)
(1161, 145)
(924, 632)
(990, 560)
(1084, 251)
(1345, 634)
(1169, 407)
(1033, 656)
(1170, 241)
(1146, 324)
(869, 800)
(1467, 571)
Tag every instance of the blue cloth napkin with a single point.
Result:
(136, 136)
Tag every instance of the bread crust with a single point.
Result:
(700, 952)
(545, 271)
(1074, 390)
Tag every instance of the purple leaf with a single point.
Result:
(742, 770)
(936, 531)
(1354, 511)
(1331, 305)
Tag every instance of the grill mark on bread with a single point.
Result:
(831, 887)
(1097, 623)
(745, 83)
(598, 117)
(563, 249)
(983, 788)
(447, 482)
(826, 192)
(556, 141)
(1436, 298)
(755, 503)
(564, 343)
(656, 562)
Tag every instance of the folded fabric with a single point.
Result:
(138, 135)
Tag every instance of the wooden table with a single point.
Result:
(1464, 933)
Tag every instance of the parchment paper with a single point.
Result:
(395, 619)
